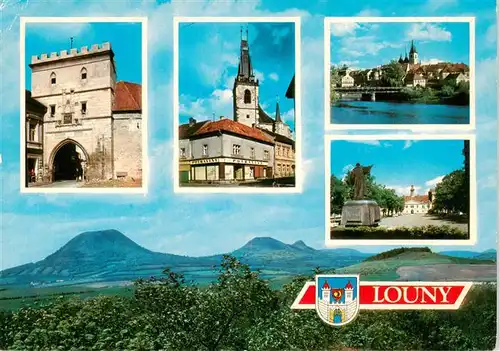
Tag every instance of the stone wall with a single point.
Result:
(127, 131)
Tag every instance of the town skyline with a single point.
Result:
(435, 43)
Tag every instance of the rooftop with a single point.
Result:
(227, 125)
(128, 97)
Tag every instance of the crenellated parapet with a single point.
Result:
(63, 54)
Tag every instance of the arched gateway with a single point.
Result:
(68, 161)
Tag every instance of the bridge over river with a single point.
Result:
(366, 92)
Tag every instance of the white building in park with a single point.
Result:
(418, 203)
(92, 127)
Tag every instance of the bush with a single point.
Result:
(379, 233)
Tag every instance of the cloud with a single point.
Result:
(404, 189)
(489, 182)
(364, 45)
(343, 29)
(434, 181)
(368, 12)
(491, 35)
(434, 5)
(220, 103)
(57, 31)
(431, 61)
(408, 144)
(289, 116)
(347, 168)
(273, 76)
(366, 141)
(428, 32)
(259, 75)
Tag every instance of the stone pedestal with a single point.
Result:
(360, 213)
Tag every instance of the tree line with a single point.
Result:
(238, 312)
(444, 91)
(452, 195)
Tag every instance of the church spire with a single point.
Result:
(245, 70)
(278, 116)
(413, 49)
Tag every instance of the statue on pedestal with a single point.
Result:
(357, 178)
(360, 211)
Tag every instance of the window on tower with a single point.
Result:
(52, 78)
(248, 97)
(84, 74)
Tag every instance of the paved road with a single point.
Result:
(418, 219)
(63, 184)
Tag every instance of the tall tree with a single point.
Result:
(393, 75)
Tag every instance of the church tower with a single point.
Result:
(413, 54)
(246, 88)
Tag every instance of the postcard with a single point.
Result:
(248, 175)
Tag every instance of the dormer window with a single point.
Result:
(83, 73)
(52, 78)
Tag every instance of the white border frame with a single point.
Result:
(417, 127)
(389, 242)
(144, 85)
(298, 124)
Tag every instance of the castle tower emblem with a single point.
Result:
(337, 301)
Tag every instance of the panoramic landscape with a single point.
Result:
(412, 73)
(101, 290)
(108, 262)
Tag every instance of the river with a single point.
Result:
(379, 112)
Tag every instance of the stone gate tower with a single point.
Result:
(246, 89)
(92, 122)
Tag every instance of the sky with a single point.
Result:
(367, 45)
(125, 39)
(35, 225)
(208, 63)
(399, 164)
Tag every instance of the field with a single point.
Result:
(13, 298)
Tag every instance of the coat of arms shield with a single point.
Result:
(337, 298)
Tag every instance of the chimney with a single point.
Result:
(192, 121)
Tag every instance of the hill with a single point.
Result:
(109, 255)
(388, 268)
(93, 256)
